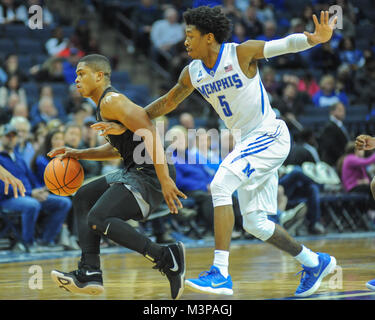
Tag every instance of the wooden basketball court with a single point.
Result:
(258, 270)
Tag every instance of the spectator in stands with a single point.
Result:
(37, 198)
(192, 178)
(291, 105)
(49, 71)
(39, 133)
(308, 84)
(231, 11)
(365, 82)
(73, 139)
(353, 169)
(12, 87)
(186, 119)
(10, 13)
(45, 111)
(81, 37)
(350, 55)
(165, 34)
(80, 113)
(325, 58)
(12, 67)
(334, 136)
(328, 95)
(70, 64)
(24, 146)
(239, 33)
(305, 149)
(90, 140)
(252, 24)
(143, 16)
(271, 84)
(298, 186)
(20, 110)
(308, 12)
(269, 34)
(57, 42)
(264, 11)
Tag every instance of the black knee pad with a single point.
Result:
(95, 222)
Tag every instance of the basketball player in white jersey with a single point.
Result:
(227, 76)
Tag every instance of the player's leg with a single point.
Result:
(316, 265)
(217, 280)
(108, 218)
(88, 277)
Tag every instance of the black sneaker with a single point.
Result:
(172, 264)
(84, 280)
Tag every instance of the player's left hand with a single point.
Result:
(171, 194)
(109, 127)
(323, 30)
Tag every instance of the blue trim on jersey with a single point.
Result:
(261, 95)
(258, 145)
(249, 153)
(208, 70)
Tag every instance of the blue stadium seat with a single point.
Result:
(6, 47)
(31, 88)
(15, 31)
(25, 61)
(29, 46)
(41, 34)
(120, 78)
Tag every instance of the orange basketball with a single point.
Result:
(63, 177)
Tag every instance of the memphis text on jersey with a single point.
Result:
(222, 84)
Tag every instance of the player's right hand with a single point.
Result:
(63, 152)
(364, 142)
(171, 194)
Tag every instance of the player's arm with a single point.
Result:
(9, 179)
(255, 49)
(157, 108)
(118, 107)
(172, 98)
(100, 153)
(365, 142)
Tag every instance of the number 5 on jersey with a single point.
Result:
(225, 106)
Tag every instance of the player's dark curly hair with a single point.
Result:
(209, 20)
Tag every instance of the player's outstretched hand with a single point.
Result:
(323, 30)
(109, 127)
(9, 179)
(364, 142)
(171, 194)
(63, 152)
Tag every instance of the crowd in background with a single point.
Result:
(334, 76)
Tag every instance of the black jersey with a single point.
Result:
(128, 144)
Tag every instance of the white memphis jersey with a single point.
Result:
(242, 103)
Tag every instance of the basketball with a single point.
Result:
(63, 177)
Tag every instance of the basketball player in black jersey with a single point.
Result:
(103, 206)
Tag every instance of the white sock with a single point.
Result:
(221, 261)
(307, 257)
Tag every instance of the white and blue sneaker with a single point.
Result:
(312, 277)
(211, 282)
(371, 285)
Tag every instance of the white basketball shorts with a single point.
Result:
(255, 161)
